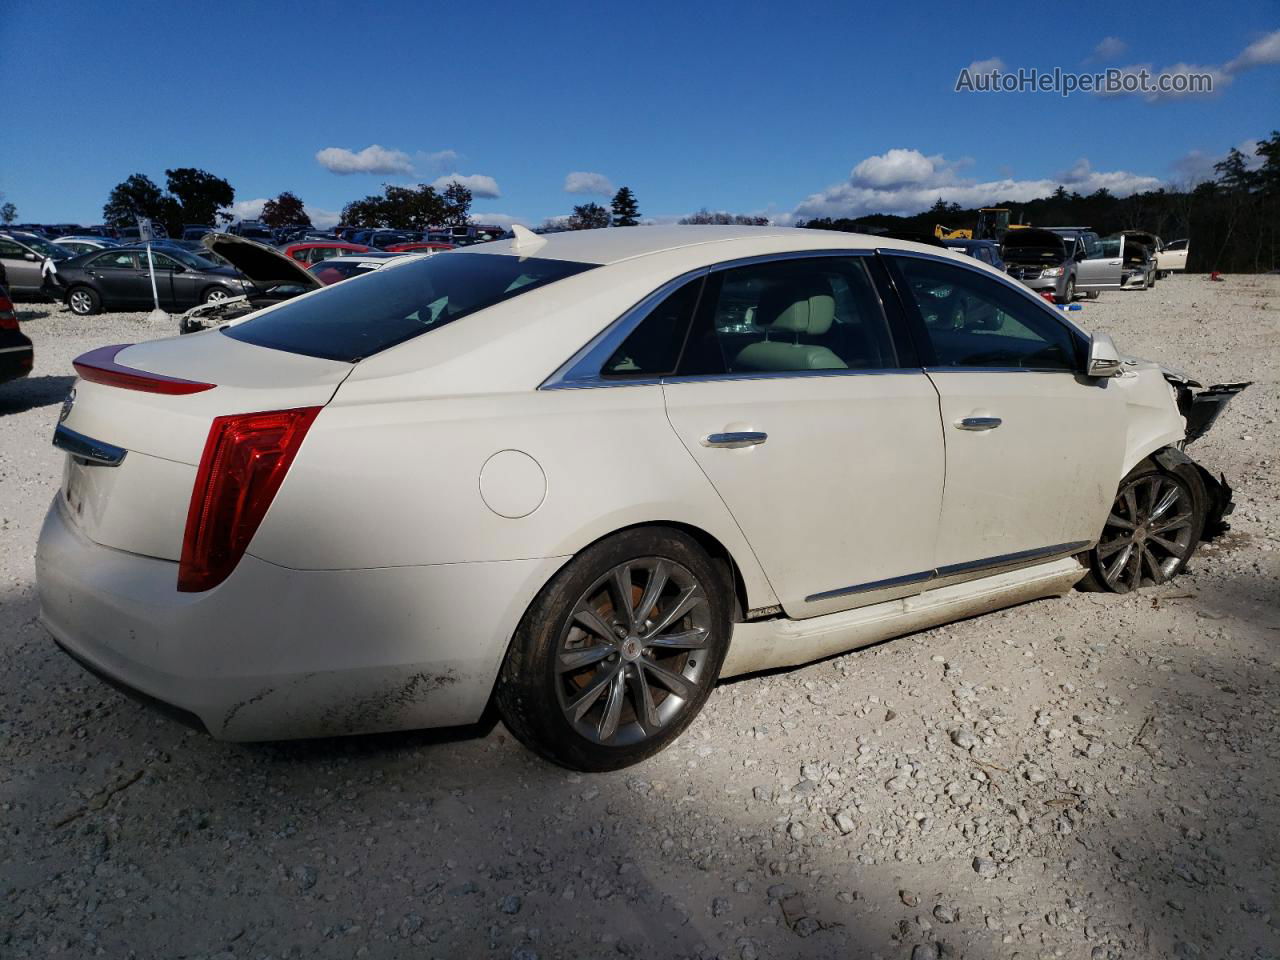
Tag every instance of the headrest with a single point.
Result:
(798, 311)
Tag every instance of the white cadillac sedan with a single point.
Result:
(583, 476)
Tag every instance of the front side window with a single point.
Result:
(352, 321)
(972, 320)
(11, 250)
(790, 315)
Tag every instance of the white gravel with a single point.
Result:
(1093, 776)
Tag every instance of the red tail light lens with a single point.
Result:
(8, 319)
(244, 462)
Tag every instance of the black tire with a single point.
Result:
(1069, 294)
(544, 700)
(1125, 559)
(214, 294)
(1092, 294)
(83, 301)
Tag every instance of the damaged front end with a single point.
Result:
(1200, 407)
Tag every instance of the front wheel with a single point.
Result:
(1068, 293)
(1153, 529)
(619, 652)
(215, 295)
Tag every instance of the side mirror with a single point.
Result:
(1104, 358)
(1080, 255)
(30, 256)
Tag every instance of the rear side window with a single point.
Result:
(351, 321)
(653, 348)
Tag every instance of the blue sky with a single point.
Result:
(793, 109)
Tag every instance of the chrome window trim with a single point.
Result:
(1022, 291)
(582, 370)
(1005, 561)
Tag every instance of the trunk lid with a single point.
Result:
(140, 505)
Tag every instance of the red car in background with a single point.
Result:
(314, 251)
(421, 247)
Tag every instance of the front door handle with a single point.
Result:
(734, 441)
(979, 423)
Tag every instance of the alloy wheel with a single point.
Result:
(81, 302)
(630, 659)
(1149, 534)
(216, 296)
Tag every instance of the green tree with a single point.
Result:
(201, 196)
(138, 196)
(283, 211)
(457, 205)
(588, 216)
(8, 213)
(1233, 172)
(626, 212)
(400, 208)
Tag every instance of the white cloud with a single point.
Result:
(581, 181)
(247, 209)
(911, 182)
(323, 218)
(1257, 54)
(1196, 166)
(500, 219)
(479, 184)
(431, 164)
(893, 167)
(372, 159)
(1108, 48)
(985, 66)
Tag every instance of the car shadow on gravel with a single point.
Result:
(19, 396)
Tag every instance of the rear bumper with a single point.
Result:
(274, 653)
(16, 360)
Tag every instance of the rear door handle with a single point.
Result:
(734, 441)
(979, 423)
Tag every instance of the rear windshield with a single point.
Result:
(350, 321)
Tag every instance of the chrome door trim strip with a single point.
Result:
(905, 580)
(1014, 559)
(86, 448)
(19, 349)
(1020, 558)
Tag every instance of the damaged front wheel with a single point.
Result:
(1153, 529)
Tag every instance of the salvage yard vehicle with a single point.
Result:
(1173, 257)
(984, 251)
(79, 245)
(337, 269)
(1141, 252)
(25, 260)
(314, 251)
(272, 277)
(587, 474)
(119, 278)
(1043, 261)
(17, 355)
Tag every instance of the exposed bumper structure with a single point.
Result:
(274, 653)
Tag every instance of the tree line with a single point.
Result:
(1232, 220)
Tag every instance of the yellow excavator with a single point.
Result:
(993, 224)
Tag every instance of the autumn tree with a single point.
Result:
(588, 216)
(626, 211)
(201, 196)
(284, 210)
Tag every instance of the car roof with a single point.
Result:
(615, 244)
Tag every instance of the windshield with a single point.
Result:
(47, 249)
(350, 321)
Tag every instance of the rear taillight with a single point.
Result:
(8, 319)
(99, 366)
(244, 462)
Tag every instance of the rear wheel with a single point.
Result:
(83, 301)
(1153, 529)
(619, 652)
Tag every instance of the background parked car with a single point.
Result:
(23, 255)
(195, 231)
(119, 279)
(1173, 257)
(385, 238)
(17, 356)
(337, 269)
(1141, 252)
(986, 251)
(253, 230)
(313, 251)
(79, 245)
(131, 235)
(1042, 261)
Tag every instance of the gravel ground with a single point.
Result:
(1092, 776)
